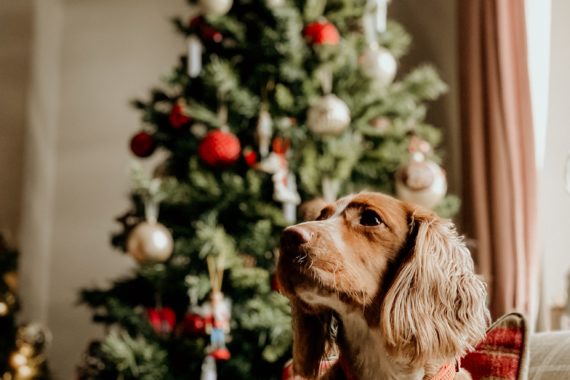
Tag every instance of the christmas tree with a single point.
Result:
(275, 105)
(21, 346)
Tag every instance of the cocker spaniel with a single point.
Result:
(386, 285)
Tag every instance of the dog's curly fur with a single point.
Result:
(388, 284)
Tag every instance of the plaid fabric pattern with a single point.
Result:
(503, 353)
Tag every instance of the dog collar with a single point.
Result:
(446, 372)
(346, 368)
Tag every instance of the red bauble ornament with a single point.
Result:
(162, 320)
(193, 324)
(322, 33)
(177, 117)
(205, 31)
(219, 148)
(250, 157)
(143, 144)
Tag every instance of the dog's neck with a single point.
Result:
(362, 345)
(365, 352)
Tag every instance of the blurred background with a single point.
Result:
(68, 70)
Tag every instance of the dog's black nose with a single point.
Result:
(295, 236)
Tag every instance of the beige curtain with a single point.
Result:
(500, 174)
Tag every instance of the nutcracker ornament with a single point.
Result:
(420, 180)
(218, 325)
(284, 185)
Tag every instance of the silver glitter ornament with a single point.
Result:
(328, 116)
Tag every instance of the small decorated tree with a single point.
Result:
(21, 346)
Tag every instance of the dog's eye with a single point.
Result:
(325, 213)
(370, 218)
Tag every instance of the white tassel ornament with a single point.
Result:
(195, 49)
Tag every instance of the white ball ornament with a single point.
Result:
(328, 116)
(150, 242)
(215, 7)
(421, 181)
(378, 63)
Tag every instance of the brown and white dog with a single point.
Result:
(388, 285)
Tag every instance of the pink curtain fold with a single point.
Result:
(498, 144)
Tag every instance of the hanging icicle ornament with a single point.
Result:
(376, 15)
(328, 115)
(195, 49)
(215, 7)
(264, 130)
(420, 180)
(150, 241)
(218, 325)
(284, 182)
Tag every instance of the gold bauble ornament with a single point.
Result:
(3, 309)
(25, 372)
(329, 115)
(215, 7)
(17, 359)
(150, 242)
(34, 335)
(421, 181)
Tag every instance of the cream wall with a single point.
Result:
(89, 58)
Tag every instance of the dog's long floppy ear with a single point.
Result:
(311, 333)
(436, 305)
